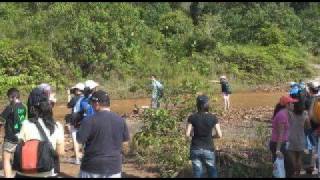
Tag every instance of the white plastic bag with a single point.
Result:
(278, 168)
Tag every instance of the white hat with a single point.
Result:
(315, 84)
(91, 84)
(223, 77)
(45, 86)
(79, 86)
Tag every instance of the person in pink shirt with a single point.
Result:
(280, 127)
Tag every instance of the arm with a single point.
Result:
(214, 81)
(60, 140)
(188, 131)
(84, 131)
(280, 131)
(126, 138)
(218, 130)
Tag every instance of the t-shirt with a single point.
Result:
(225, 87)
(102, 134)
(202, 124)
(280, 118)
(14, 115)
(30, 131)
(296, 137)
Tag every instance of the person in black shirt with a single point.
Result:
(105, 137)
(14, 114)
(226, 91)
(202, 148)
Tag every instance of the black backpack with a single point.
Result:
(36, 96)
(34, 156)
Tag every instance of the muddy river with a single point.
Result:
(238, 100)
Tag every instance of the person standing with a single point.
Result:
(53, 131)
(298, 120)
(74, 116)
(82, 109)
(157, 92)
(202, 151)
(280, 129)
(226, 91)
(105, 136)
(14, 115)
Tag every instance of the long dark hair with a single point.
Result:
(44, 111)
(278, 108)
(299, 107)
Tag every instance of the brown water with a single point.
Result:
(238, 100)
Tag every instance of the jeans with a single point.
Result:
(155, 103)
(201, 158)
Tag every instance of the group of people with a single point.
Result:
(295, 129)
(102, 134)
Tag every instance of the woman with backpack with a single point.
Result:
(226, 91)
(280, 128)
(42, 128)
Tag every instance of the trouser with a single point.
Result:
(155, 103)
(85, 174)
(295, 159)
(203, 158)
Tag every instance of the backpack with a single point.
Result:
(160, 91)
(85, 110)
(36, 96)
(315, 110)
(34, 156)
(228, 88)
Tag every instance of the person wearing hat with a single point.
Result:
(105, 136)
(226, 91)
(280, 128)
(46, 88)
(202, 151)
(77, 92)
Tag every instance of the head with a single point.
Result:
(92, 85)
(46, 88)
(100, 100)
(13, 95)
(44, 111)
(223, 78)
(153, 77)
(313, 88)
(77, 89)
(287, 101)
(203, 103)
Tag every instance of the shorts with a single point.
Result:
(9, 146)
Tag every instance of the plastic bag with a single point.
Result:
(278, 168)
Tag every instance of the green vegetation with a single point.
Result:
(121, 44)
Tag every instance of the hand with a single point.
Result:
(279, 154)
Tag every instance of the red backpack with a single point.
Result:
(34, 156)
